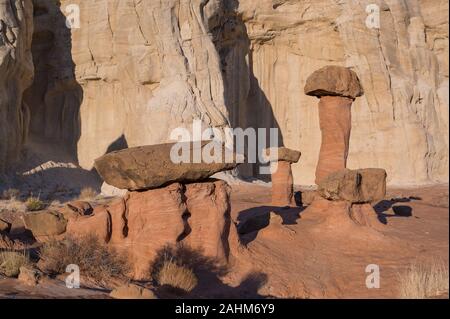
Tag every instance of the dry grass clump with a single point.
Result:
(97, 262)
(10, 194)
(11, 261)
(176, 275)
(87, 193)
(34, 204)
(424, 280)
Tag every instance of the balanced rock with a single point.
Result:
(336, 87)
(45, 223)
(333, 80)
(355, 186)
(149, 167)
(282, 180)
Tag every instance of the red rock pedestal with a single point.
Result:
(282, 184)
(280, 159)
(142, 224)
(335, 124)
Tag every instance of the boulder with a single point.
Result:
(4, 226)
(81, 207)
(29, 275)
(45, 223)
(132, 291)
(281, 154)
(355, 186)
(98, 224)
(150, 167)
(334, 80)
(75, 209)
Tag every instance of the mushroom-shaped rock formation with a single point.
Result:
(282, 181)
(337, 87)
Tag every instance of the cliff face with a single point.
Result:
(137, 69)
(400, 124)
(16, 71)
(131, 73)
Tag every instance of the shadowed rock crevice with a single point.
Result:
(55, 96)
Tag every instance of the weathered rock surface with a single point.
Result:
(355, 186)
(281, 154)
(153, 166)
(142, 224)
(333, 80)
(282, 184)
(132, 291)
(97, 224)
(132, 72)
(45, 223)
(111, 191)
(335, 118)
(16, 72)
(29, 275)
(137, 69)
(80, 208)
(208, 206)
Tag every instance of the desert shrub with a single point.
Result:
(176, 275)
(87, 193)
(34, 204)
(97, 262)
(424, 280)
(11, 261)
(11, 194)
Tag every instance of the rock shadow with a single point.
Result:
(398, 210)
(55, 97)
(246, 102)
(49, 166)
(208, 272)
(252, 220)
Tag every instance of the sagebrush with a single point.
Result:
(424, 280)
(11, 261)
(97, 262)
(176, 275)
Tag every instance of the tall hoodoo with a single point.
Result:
(336, 87)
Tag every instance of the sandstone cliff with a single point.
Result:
(16, 71)
(400, 124)
(137, 69)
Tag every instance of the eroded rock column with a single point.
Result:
(282, 179)
(336, 87)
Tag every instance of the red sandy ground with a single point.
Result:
(304, 259)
